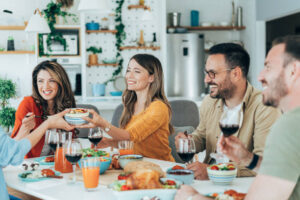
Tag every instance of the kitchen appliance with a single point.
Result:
(174, 19)
(185, 65)
(56, 48)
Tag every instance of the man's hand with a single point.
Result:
(95, 121)
(178, 136)
(200, 171)
(57, 121)
(187, 191)
(235, 150)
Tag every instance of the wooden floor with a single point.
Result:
(21, 195)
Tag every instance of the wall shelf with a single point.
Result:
(103, 64)
(136, 47)
(101, 31)
(21, 28)
(212, 28)
(16, 52)
(138, 7)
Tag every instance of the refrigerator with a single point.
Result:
(185, 65)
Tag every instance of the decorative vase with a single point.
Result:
(93, 59)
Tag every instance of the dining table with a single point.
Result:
(55, 189)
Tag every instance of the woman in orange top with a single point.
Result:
(51, 94)
(147, 114)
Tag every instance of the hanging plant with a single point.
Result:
(52, 11)
(120, 37)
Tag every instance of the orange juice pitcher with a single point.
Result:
(60, 162)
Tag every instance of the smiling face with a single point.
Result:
(273, 77)
(221, 85)
(47, 86)
(137, 77)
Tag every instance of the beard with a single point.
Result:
(278, 89)
(225, 90)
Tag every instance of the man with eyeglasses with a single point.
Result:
(226, 74)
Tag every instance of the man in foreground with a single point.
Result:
(226, 73)
(279, 173)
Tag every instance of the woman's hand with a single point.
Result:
(57, 121)
(28, 123)
(105, 142)
(95, 121)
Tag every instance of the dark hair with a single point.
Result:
(235, 55)
(64, 97)
(292, 47)
(156, 89)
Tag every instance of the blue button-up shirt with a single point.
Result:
(12, 152)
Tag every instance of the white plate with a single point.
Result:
(162, 194)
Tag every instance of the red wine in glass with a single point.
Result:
(95, 136)
(186, 157)
(95, 140)
(229, 129)
(73, 158)
(53, 146)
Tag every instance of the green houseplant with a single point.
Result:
(7, 113)
(93, 58)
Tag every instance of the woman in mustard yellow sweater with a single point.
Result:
(147, 114)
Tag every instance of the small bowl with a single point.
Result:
(184, 175)
(116, 93)
(123, 160)
(75, 118)
(221, 177)
(104, 165)
(224, 23)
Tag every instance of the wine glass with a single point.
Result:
(73, 153)
(52, 138)
(95, 136)
(229, 124)
(186, 148)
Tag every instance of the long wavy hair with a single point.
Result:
(155, 92)
(64, 97)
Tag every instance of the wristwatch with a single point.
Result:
(107, 129)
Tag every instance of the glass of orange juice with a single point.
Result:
(90, 171)
(125, 147)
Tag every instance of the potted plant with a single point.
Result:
(7, 113)
(93, 58)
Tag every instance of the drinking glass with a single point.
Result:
(229, 124)
(52, 139)
(90, 168)
(186, 149)
(95, 136)
(125, 147)
(73, 153)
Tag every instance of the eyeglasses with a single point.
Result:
(212, 74)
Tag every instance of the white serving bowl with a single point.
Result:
(75, 118)
(221, 177)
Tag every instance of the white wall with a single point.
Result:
(272, 9)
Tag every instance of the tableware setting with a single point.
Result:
(90, 171)
(75, 115)
(167, 192)
(38, 175)
(125, 159)
(104, 163)
(45, 160)
(222, 174)
(125, 147)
